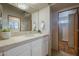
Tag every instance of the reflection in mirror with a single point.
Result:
(26, 23)
(14, 23)
(63, 28)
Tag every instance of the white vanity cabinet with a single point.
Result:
(37, 47)
(45, 46)
(24, 50)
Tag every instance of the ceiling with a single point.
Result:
(30, 7)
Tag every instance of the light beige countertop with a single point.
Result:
(19, 40)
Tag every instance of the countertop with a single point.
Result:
(19, 40)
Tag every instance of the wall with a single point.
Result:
(35, 17)
(42, 15)
(13, 11)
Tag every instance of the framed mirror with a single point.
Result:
(14, 23)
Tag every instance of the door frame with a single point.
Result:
(58, 23)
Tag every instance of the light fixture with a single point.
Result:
(22, 6)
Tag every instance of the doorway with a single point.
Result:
(68, 34)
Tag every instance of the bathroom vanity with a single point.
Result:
(33, 44)
(25, 45)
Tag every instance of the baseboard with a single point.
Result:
(65, 54)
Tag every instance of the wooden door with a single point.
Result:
(68, 35)
(73, 34)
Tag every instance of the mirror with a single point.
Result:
(17, 24)
(15, 19)
(14, 23)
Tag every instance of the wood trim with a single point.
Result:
(58, 31)
(69, 8)
(20, 22)
(30, 22)
(76, 33)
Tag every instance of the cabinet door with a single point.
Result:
(24, 50)
(37, 47)
(45, 46)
